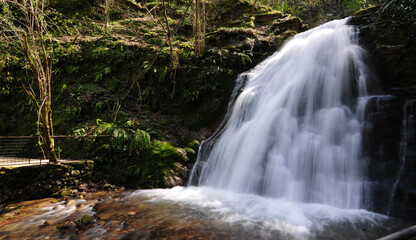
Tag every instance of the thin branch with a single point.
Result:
(131, 86)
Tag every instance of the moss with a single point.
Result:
(85, 220)
(159, 166)
(164, 151)
(190, 153)
(366, 11)
(267, 18)
(194, 144)
(8, 209)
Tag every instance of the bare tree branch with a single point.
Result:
(23, 29)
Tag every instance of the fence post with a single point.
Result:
(30, 148)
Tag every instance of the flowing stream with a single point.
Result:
(286, 163)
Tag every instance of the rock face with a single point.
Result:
(391, 44)
(239, 43)
(389, 134)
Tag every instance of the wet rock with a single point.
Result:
(392, 48)
(48, 222)
(66, 225)
(172, 181)
(71, 203)
(108, 186)
(65, 192)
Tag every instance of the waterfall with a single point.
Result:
(295, 130)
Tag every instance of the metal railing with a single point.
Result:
(17, 150)
(26, 150)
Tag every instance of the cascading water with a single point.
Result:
(294, 132)
(407, 133)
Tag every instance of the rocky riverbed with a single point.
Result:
(186, 213)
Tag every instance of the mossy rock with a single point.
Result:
(64, 192)
(85, 220)
(234, 34)
(194, 144)
(166, 152)
(267, 18)
(190, 153)
(287, 23)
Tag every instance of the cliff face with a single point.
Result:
(392, 44)
(389, 139)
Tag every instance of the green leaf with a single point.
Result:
(107, 70)
(98, 77)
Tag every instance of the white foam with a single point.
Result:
(299, 220)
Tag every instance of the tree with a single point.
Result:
(23, 29)
(174, 58)
(254, 7)
(199, 26)
(107, 6)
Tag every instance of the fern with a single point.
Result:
(140, 141)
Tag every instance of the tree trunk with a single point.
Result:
(254, 8)
(46, 129)
(199, 26)
(165, 16)
(107, 15)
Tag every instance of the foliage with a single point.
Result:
(286, 7)
(136, 139)
(116, 77)
(141, 162)
(403, 13)
(126, 80)
(315, 12)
